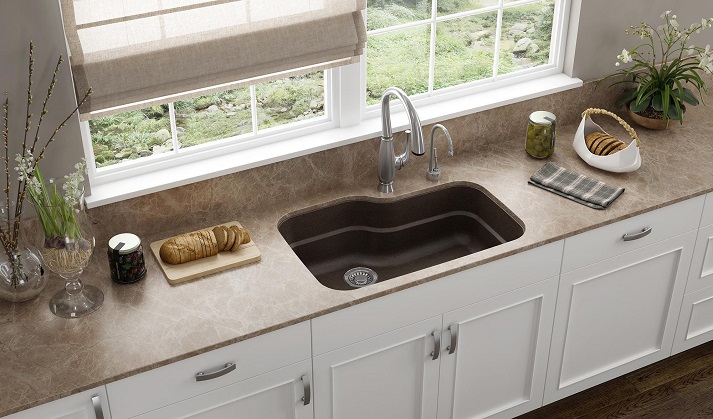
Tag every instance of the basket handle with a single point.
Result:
(627, 127)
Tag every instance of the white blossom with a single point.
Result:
(666, 13)
(625, 56)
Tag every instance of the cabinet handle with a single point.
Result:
(634, 236)
(436, 344)
(201, 376)
(98, 411)
(454, 339)
(307, 392)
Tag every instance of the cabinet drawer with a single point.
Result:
(175, 382)
(384, 314)
(707, 218)
(605, 242)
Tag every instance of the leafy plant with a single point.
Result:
(662, 64)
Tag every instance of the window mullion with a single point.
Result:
(174, 127)
(253, 108)
(498, 35)
(432, 59)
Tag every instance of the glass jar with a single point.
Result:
(541, 131)
(126, 258)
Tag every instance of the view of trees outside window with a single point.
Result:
(464, 47)
(142, 133)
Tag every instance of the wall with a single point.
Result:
(601, 35)
(41, 22)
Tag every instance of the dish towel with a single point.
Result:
(579, 188)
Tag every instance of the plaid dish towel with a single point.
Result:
(579, 188)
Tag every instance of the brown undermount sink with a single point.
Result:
(359, 241)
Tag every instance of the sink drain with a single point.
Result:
(360, 277)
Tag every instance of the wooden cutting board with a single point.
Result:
(175, 274)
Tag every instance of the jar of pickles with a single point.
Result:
(541, 134)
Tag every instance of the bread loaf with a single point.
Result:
(202, 243)
(603, 144)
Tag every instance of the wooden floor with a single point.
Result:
(678, 387)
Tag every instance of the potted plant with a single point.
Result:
(666, 72)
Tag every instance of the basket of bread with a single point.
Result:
(603, 151)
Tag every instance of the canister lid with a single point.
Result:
(125, 243)
(542, 118)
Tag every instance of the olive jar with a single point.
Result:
(541, 131)
(126, 258)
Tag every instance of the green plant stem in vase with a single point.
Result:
(666, 70)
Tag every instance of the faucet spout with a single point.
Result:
(389, 162)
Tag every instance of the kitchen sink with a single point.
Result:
(360, 241)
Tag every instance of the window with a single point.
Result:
(238, 114)
(425, 46)
(435, 50)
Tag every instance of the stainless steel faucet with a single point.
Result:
(434, 172)
(389, 162)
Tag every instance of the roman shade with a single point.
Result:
(138, 53)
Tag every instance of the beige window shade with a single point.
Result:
(138, 53)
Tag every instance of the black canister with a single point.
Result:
(126, 258)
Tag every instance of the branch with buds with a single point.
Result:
(10, 228)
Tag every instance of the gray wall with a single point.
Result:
(601, 36)
(39, 21)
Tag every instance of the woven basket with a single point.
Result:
(626, 160)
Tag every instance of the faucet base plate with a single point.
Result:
(386, 187)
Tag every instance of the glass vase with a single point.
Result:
(21, 275)
(67, 255)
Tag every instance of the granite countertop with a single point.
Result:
(151, 323)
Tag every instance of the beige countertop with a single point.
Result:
(151, 323)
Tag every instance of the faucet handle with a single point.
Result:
(434, 172)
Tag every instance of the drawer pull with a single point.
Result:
(436, 344)
(307, 393)
(202, 376)
(634, 236)
(98, 411)
(454, 339)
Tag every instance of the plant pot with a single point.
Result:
(651, 123)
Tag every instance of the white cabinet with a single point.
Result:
(500, 317)
(701, 275)
(617, 315)
(91, 404)
(281, 394)
(695, 324)
(235, 378)
(495, 356)
(393, 375)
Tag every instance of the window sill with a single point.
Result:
(111, 192)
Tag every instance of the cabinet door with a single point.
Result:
(701, 275)
(392, 375)
(617, 315)
(90, 404)
(495, 354)
(695, 324)
(281, 394)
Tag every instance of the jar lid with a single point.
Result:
(125, 243)
(542, 118)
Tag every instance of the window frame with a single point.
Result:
(345, 111)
